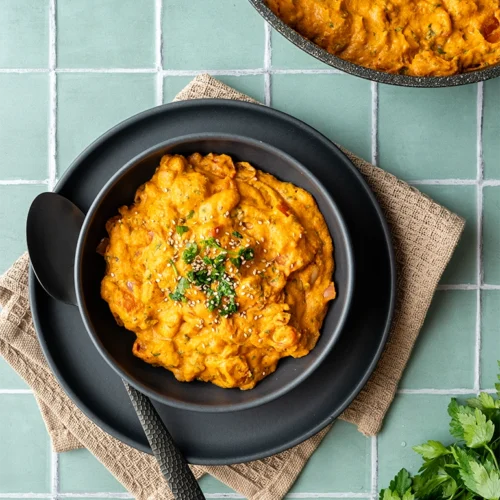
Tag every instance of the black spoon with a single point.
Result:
(52, 232)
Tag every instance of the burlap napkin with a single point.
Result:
(424, 234)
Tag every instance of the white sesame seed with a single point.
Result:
(157, 280)
(255, 318)
(112, 275)
(260, 222)
(260, 340)
(264, 373)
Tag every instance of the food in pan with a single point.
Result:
(412, 37)
(219, 269)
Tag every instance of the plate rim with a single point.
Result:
(368, 370)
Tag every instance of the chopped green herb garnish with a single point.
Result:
(190, 215)
(156, 354)
(174, 267)
(158, 246)
(246, 253)
(238, 235)
(182, 286)
(190, 253)
(212, 243)
(236, 261)
(181, 230)
(440, 50)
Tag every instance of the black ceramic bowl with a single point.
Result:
(115, 343)
(367, 73)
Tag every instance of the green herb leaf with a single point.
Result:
(431, 449)
(190, 253)
(482, 479)
(181, 230)
(236, 261)
(478, 431)
(454, 409)
(182, 286)
(156, 354)
(484, 402)
(401, 483)
(237, 235)
(190, 215)
(246, 253)
(172, 263)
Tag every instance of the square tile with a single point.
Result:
(227, 34)
(24, 33)
(491, 235)
(490, 338)
(462, 268)
(422, 135)
(491, 129)
(90, 104)
(339, 106)
(405, 427)
(449, 332)
(9, 379)
(251, 85)
(285, 55)
(106, 34)
(14, 204)
(81, 472)
(25, 456)
(24, 109)
(342, 462)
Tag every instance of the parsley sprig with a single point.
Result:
(209, 274)
(465, 470)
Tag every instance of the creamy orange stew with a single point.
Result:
(414, 37)
(219, 269)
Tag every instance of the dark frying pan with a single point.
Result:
(316, 51)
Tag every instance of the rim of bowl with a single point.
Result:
(143, 387)
(322, 55)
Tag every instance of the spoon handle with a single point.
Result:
(172, 463)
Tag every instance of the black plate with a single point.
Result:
(214, 438)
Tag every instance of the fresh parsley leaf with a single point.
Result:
(476, 476)
(399, 487)
(190, 215)
(246, 253)
(212, 243)
(182, 286)
(478, 430)
(431, 449)
(237, 235)
(454, 409)
(190, 253)
(401, 483)
(484, 402)
(181, 230)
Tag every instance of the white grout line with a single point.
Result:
(484, 286)
(480, 177)
(107, 70)
(374, 130)
(16, 391)
(22, 182)
(324, 495)
(159, 51)
(54, 470)
(430, 392)
(445, 182)
(52, 171)
(491, 183)
(174, 72)
(374, 464)
(267, 63)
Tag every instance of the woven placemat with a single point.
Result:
(424, 235)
